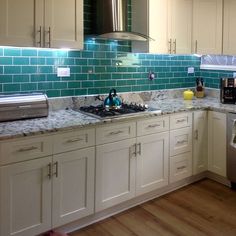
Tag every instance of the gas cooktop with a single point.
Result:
(101, 111)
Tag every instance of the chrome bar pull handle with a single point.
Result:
(196, 134)
(196, 46)
(50, 170)
(174, 50)
(40, 37)
(170, 46)
(56, 172)
(139, 149)
(49, 36)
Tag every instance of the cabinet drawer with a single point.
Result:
(180, 141)
(73, 140)
(180, 167)
(181, 120)
(152, 126)
(112, 133)
(25, 149)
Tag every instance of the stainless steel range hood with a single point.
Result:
(111, 21)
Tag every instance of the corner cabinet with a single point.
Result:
(217, 143)
(40, 23)
(200, 148)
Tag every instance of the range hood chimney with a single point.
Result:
(111, 21)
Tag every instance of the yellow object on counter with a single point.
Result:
(188, 95)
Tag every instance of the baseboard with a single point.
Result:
(218, 178)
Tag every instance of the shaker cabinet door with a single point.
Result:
(207, 26)
(25, 198)
(20, 22)
(64, 24)
(73, 186)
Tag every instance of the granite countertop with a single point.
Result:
(69, 119)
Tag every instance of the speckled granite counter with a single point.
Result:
(69, 119)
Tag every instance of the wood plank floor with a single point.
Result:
(203, 208)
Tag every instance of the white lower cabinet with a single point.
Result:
(115, 173)
(200, 150)
(180, 165)
(73, 186)
(152, 162)
(217, 143)
(25, 198)
(132, 167)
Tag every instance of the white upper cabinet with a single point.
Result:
(150, 17)
(168, 23)
(64, 23)
(50, 24)
(207, 26)
(229, 33)
(20, 21)
(180, 26)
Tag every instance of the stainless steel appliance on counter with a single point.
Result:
(231, 148)
(22, 106)
(228, 90)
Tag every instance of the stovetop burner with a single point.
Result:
(103, 112)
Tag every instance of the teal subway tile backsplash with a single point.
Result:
(94, 71)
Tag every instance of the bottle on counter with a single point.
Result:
(199, 93)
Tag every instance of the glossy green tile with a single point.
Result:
(5, 79)
(67, 92)
(29, 87)
(5, 60)
(53, 93)
(11, 87)
(21, 78)
(74, 84)
(45, 85)
(21, 61)
(37, 78)
(12, 69)
(1, 52)
(29, 52)
(12, 52)
(37, 61)
(29, 69)
(59, 85)
(82, 92)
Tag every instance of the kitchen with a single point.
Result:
(157, 78)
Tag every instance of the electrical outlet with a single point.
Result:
(190, 70)
(63, 72)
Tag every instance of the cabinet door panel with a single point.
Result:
(180, 25)
(20, 21)
(229, 34)
(217, 143)
(73, 185)
(200, 142)
(115, 173)
(25, 194)
(207, 26)
(152, 162)
(65, 20)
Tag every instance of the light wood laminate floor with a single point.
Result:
(203, 208)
